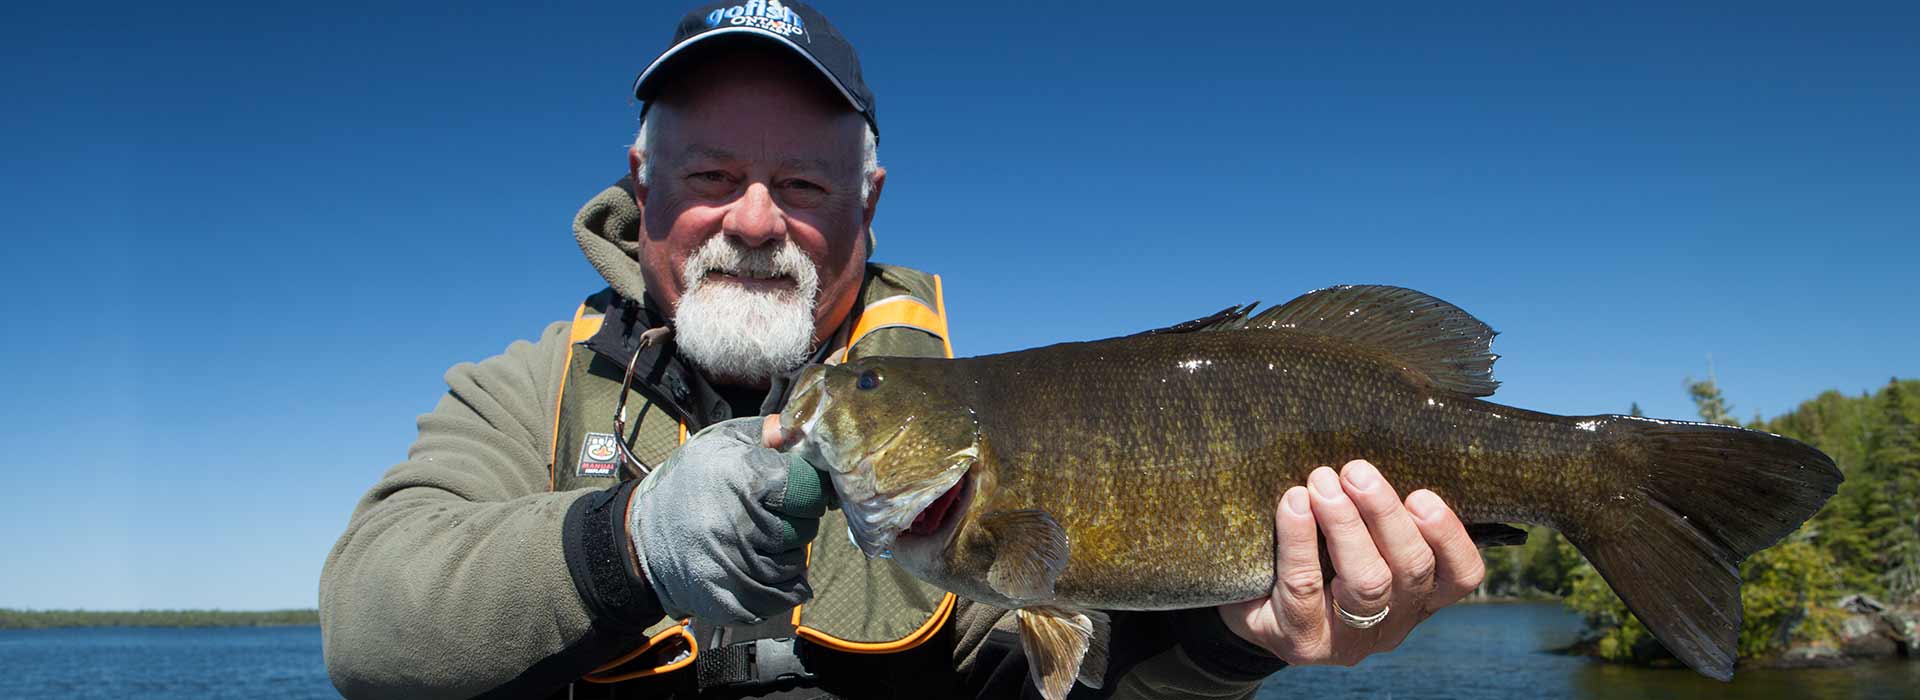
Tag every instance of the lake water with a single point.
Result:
(1494, 652)
(1469, 652)
(121, 662)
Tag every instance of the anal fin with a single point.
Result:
(1062, 646)
(1486, 535)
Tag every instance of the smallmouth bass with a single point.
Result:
(1142, 472)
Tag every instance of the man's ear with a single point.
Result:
(873, 198)
(634, 159)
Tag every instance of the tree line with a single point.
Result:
(1866, 540)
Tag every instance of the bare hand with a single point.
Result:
(1415, 557)
(771, 436)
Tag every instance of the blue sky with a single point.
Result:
(245, 242)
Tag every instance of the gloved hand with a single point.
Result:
(721, 528)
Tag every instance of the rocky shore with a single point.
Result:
(1869, 631)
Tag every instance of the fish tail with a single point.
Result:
(1709, 496)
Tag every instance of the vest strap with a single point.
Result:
(756, 662)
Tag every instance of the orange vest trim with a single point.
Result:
(940, 307)
(899, 312)
(916, 638)
(681, 631)
(585, 324)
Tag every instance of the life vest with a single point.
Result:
(860, 605)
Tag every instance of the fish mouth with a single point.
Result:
(922, 547)
(936, 514)
(879, 519)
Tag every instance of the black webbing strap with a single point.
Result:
(749, 663)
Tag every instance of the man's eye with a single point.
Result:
(804, 185)
(709, 176)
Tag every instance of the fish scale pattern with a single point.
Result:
(1164, 455)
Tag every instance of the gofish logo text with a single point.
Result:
(769, 15)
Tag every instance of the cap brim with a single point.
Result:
(642, 89)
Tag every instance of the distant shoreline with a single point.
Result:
(1506, 599)
(50, 619)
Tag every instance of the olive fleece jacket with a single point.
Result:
(453, 577)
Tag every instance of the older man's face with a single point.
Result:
(755, 174)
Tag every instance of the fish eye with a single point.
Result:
(869, 380)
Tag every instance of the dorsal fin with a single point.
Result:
(1448, 346)
(1225, 319)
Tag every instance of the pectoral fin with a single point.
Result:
(1030, 551)
(1062, 645)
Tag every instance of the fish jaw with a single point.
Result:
(878, 518)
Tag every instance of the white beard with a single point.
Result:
(741, 335)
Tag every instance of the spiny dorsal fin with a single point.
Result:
(1063, 645)
(1224, 319)
(1450, 347)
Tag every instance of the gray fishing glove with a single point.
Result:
(721, 528)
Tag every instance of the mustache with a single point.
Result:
(721, 254)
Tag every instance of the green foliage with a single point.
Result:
(1620, 633)
(40, 619)
(1894, 524)
(1713, 407)
(1866, 539)
(1537, 569)
(1785, 594)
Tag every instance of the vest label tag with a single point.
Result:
(599, 456)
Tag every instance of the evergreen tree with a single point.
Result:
(1893, 523)
(1713, 407)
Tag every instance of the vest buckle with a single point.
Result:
(752, 663)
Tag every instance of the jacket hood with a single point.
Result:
(608, 231)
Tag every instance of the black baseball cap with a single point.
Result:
(793, 25)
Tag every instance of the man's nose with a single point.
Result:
(755, 219)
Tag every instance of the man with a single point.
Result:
(518, 553)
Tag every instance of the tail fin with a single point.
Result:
(1711, 496)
